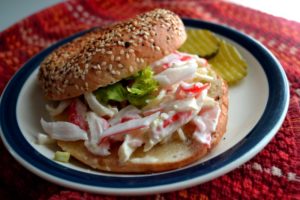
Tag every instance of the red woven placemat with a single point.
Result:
(272, 174)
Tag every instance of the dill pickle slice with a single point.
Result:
(201, 42)
(229, 64)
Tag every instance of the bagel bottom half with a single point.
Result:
(162, 157)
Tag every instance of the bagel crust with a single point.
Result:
(107, 55)
(162, 157)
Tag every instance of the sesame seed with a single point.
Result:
(112, 58)
(110, 67)
(127, 55)
(152, 33)
(122, 52)
(157, 48)
(118, 58)
(120, 65)
(109, 52)
(131, 51)
(131, 69)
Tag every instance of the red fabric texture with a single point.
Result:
(259, 178)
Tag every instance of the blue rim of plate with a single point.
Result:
(268, 124)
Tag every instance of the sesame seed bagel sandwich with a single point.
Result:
(125, 100)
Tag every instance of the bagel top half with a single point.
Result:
(107, 55)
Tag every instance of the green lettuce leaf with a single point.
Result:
(142, 88)
(138, 101)
(136, 89)
(116, 92)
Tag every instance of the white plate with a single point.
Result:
(257, 107)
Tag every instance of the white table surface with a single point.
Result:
(12, 11)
